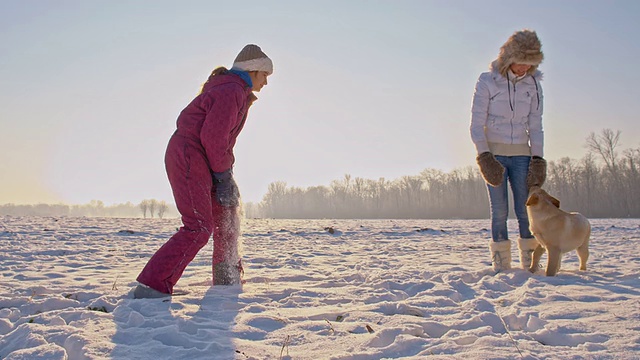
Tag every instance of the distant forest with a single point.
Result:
(604, 183)
(150, 208)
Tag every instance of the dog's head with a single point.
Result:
(537, 195)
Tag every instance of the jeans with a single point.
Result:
(516, 170)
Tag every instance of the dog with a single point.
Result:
(556, 231)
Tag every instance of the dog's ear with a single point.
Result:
(533, 200)
(555, 201)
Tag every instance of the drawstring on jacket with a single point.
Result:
(514, 89)
(509, 90)
(537, 92)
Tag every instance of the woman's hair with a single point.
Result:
(217, 71)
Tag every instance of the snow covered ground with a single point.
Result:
(316, 289)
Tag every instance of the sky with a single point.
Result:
(90, 91)
(371, 290)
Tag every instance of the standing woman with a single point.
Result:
(199, 162)
(506, 129)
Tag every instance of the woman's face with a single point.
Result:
(259, 79)
(519, 69)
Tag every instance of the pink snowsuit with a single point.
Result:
(203, 142)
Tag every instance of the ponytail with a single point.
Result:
(217, 71)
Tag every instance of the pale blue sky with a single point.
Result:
(90, 90)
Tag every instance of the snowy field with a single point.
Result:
(316, 289)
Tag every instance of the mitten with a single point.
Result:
(537, 172)
(490, 168)
(227, 192)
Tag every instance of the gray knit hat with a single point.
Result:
(251, 58)
(523, 47)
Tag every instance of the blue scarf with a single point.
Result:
(243, 75)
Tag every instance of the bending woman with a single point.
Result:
(199, 162)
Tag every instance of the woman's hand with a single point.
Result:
(226, 189)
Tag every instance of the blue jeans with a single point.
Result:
(516, 170)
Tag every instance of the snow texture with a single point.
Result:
(316, 289)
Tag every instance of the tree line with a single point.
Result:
(95, 208)
(604, 183)
(153, 206)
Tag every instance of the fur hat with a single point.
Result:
(251, 58)
(523, 47)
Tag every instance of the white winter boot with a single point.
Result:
(526, 247)
(500, 255)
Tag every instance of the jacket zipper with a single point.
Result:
(515, 106)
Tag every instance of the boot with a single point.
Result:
(225, 273)
(144, 292)
(526, 247)
(500, 255)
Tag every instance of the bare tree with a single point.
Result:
(153, 204)
(274, 198)
(162, 208)
(410, 187)
(144, 207)
(606, 145)
(589, 182)
(632, 179)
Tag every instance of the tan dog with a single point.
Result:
(556, 230)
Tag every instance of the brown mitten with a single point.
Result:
(492, 171)
(537, 172)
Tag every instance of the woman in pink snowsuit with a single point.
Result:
(199, 163)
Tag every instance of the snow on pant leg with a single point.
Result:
(191, 183)
(226, 232)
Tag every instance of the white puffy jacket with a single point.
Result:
(507, 113)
